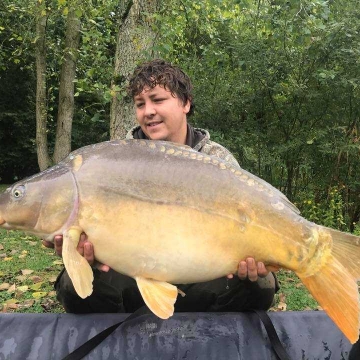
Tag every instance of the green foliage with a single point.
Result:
(324, 208)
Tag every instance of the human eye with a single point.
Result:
(159, 100)
(139, 104)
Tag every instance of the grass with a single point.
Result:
(28, 271)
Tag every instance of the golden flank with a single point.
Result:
(167, 193)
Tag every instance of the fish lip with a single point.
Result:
(2, 220)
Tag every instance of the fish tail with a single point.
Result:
(335, 287)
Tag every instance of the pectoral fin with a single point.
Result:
(159, 296)
(78, 268)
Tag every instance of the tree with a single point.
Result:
(44, 160)
(66, 91)
(135, 39)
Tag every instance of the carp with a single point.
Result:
(165, 214)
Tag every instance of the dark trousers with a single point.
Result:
(117, 293)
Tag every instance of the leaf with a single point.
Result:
(22, 289)
(35, 279)
(52, 293)
(26, 304)
(23, 256)
(282, 306)
(27, 271)
(7, 258)
(58, 262)
(66, 11)
(1, 247)
(52, 279)
(36, 286)
(39, 294)
(11, 289)
(4, 286)
(11, 301)
(21, 278)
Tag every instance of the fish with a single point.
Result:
(165, 214)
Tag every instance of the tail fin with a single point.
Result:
(335, 285)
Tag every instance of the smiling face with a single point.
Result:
(161, 115)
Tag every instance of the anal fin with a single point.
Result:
(78, 268)
(159, 296)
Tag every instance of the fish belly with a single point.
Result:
(173, 243)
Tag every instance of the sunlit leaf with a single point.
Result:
(27, 271)
(36, 286)
(8, 258)
(22, 289)
(39, 294)
(58, 262)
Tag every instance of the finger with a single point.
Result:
(230, 276)
(252, 271)
(58, 241)
(81, 243)
(102, 267)
(242, 271)
(88, 252)
(262, 270)
(48, 244)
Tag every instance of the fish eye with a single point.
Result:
(18, 192)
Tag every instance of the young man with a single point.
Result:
(163, 102)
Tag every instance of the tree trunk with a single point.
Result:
(41, 104)
(135, 39)
(66, 90)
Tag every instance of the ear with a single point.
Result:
(187, 107)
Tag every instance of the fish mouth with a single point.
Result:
(2, 220)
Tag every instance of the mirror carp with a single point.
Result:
(165, 214)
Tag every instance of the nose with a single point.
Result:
(149, 110)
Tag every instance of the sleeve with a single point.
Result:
(215, 149)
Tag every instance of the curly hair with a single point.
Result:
(160, 72)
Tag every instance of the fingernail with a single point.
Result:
(250, 262)
(243, 265)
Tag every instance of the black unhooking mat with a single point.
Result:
(305, 335)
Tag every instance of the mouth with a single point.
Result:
(153, 124)
(2, 221)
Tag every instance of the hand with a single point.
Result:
(85, 249)
(250, 269)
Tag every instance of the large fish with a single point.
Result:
(165, 214)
